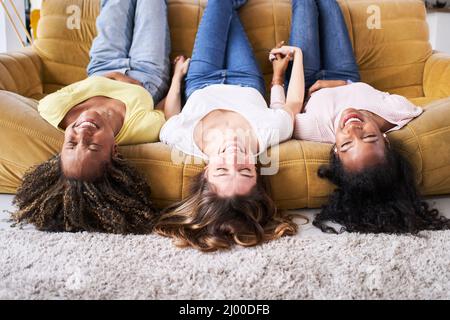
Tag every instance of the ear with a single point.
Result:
(386, 139)
(115, 150)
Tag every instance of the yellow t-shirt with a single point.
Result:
(142, 123)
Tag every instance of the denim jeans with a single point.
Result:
(319, 29)
(222, 52)
(134, 39)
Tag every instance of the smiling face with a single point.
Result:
(359, 141)
(88, 145)
(232, 169)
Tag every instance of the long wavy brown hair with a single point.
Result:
(117, 202)
(208, 222)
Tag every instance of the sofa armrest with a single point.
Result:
(436, 78)
(21, 73)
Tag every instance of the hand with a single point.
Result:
(284, 51)
(123, 78)
(322, 84)
(181, 67)
(280, 63)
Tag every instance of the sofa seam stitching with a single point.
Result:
(28, 132)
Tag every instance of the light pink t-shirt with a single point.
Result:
(323, 110)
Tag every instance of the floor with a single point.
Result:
(308, 265)
(442, 203)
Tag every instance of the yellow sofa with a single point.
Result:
(396, 58)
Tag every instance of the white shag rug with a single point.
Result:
(310, 265)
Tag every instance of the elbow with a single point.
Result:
(296, 106)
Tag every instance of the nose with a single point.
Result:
(353, 128)
(85, 135)
(232, 159)
(237, 159)
(85, 131)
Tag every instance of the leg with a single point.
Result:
(238, 3)
(338, 60)
(110, 48)
(241, 64)
(305, 35)
(208, 57)
(149, 52)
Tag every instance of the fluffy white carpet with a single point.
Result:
(311, 265)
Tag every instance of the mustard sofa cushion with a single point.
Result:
(28, 140)
(396, 58)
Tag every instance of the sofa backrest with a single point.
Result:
(391, 57)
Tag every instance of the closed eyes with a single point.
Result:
(371, 138)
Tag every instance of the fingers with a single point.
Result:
(315, 87)
(280, 44)
(178, 58)
(275, 51)
(279, 51)
(136, 82)
(283, 50)
(186, 65)
(280, 55)
(111, 75)
(181, 66)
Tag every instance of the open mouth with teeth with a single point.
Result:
(87, 124)
(233, 147)
(351, 118)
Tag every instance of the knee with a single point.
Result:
(327, 4)
(306, 4)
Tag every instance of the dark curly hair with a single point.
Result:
(381, 199)
(117, 202)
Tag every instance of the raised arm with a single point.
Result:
(171, 105)
(296, 91)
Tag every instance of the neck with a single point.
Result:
(112, 114)
(382, 123)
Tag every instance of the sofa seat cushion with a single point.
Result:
(28, 140)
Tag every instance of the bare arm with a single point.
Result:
(172, 103)
(322, 84)
(279, 64)
(296, 90)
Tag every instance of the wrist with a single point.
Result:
(278, 80)
(178, 78)
(298, 51)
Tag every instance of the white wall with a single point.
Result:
(8, 38)
(36, 4)
(439, 23)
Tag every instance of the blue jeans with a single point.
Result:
(222, 53)
(319, 29)
(134, 39)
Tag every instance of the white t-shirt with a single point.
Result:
(271, 126)
(324, 109)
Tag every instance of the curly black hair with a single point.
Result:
(381, 199)
(117, 202)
